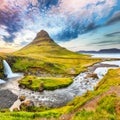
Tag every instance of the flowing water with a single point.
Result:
(8, 71)
(60, 97)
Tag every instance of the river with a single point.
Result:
(60, 97)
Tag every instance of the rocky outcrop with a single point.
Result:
(22, 98)
(26, 105)
(7, 98)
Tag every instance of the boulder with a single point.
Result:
(26, 105)
(22, 98)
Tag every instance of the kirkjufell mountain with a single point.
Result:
(48, 57)
(45, 46)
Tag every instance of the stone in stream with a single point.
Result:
(25, 105)
(41, 87)
(22, 98)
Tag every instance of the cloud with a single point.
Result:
(114, 18)
(113, 34)
(64, 20)
(106, 42)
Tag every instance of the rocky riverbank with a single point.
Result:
(83, 82)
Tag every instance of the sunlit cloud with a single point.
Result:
(65, 21)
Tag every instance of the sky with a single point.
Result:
(73, 24)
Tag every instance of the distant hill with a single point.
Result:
(112, 50)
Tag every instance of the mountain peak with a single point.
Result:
(42, 36)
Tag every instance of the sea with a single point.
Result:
(105, 55)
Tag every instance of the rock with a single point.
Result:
(92, 75)
(22, 98)
(26, 105)
(22, 86)
(30, 82)
(41, 87)
(7, 99)
(15, 110)
(4, 110)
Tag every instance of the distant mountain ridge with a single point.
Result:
(112, 50)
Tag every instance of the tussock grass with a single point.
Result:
(106, 106)
(49, 83)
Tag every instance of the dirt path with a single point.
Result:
(92, 104)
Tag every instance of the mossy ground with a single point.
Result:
(49, 58)
(107, 107)
(49, 83)
(107, 91)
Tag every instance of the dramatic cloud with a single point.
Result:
(114, 18)
(113, 34)
(20, 20)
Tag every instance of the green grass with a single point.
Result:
(49, 58)
(50, 83)
(105, 110)
(106, 104)
(54, 113)
(54, 66)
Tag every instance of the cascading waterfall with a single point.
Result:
(2, 81)
(7, 70)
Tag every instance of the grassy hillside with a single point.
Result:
(101, 104)
(46, 57)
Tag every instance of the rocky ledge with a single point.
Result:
(7, 98)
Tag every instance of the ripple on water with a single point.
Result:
(60, 97)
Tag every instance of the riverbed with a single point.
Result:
(60, 97)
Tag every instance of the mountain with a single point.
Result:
(44, 46)
(45, 57)
(112, 50)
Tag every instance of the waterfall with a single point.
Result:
(7, 70)
(2, 81)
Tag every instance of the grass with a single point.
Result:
(53, 66)
(47, 57)
(106, 108)
(104, 111)
(49, 83)
(54, 113)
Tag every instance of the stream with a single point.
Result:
(81, 84)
